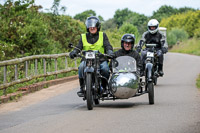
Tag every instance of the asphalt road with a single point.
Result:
(176, 108)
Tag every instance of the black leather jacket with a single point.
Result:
(157, 38)
(131, 53)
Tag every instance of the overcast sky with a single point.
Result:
(107, 8)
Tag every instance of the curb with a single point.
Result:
(35, 87)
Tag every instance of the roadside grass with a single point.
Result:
(198, 82)
(191, 46)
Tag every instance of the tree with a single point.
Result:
(164, 12)
(55, 7)
(129, 28)
(83, 16)
(121, 16)
(109, 24)
(138, 20)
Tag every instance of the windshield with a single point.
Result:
(124, 64)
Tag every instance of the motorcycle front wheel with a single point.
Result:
(89, 95)
(150, 87)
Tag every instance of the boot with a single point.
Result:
(160, 70)
(104, 83)
(82, 85)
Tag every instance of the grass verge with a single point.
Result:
(191, 46)
(198, 82)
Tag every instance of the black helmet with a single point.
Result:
(92, 22)
(128, 38)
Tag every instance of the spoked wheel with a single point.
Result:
(89, 95)
(150, 88)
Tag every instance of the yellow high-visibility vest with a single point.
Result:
(96, 46)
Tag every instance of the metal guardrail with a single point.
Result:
(34, 58)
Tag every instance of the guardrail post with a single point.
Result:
(66, 62)
(16, 72)
(26, 69)
(36, 71)
(5, 79)
(44, 62)
(56, 67)
(75, 62)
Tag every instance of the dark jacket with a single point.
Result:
(157, 38)
(131, 53)
(92, 38)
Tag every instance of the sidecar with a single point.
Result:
(124, 81)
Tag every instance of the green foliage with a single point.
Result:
(121, 16)
(127, 16)
(164, 12)
(83, 16)
(129, 28)
(109, 24)
(25, 31)
(190, 46)
(101, 18)
(167, 11)
(198, 82)
(189, 21)
(138, 20)
(55, 7)
(114, 37)
(176, 35)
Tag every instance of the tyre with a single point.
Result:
(96, 101)
(89, 95)
(150, 88)
(155, 80)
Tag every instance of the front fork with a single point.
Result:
(149, 72)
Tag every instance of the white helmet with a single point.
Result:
(153, 23)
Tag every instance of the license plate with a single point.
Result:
(90, 55)
(150, 54)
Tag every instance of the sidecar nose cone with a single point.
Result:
(124, 85)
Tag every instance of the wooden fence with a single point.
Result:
(33, 61)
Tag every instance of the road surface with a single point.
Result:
(176, 108)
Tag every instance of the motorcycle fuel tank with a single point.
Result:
(124, 85)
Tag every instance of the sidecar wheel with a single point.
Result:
(96, 101)
(155, 80)
(150, 87)
(89, 95)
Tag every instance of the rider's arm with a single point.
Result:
(106, 43)
(164, 46)
(79, 46)
(141, 42)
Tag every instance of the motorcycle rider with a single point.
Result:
(127, 44)
(153, 36)
(94, 39)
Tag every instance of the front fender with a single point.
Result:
(149, 69)
(89, 69)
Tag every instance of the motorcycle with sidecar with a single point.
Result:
(124, 81)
